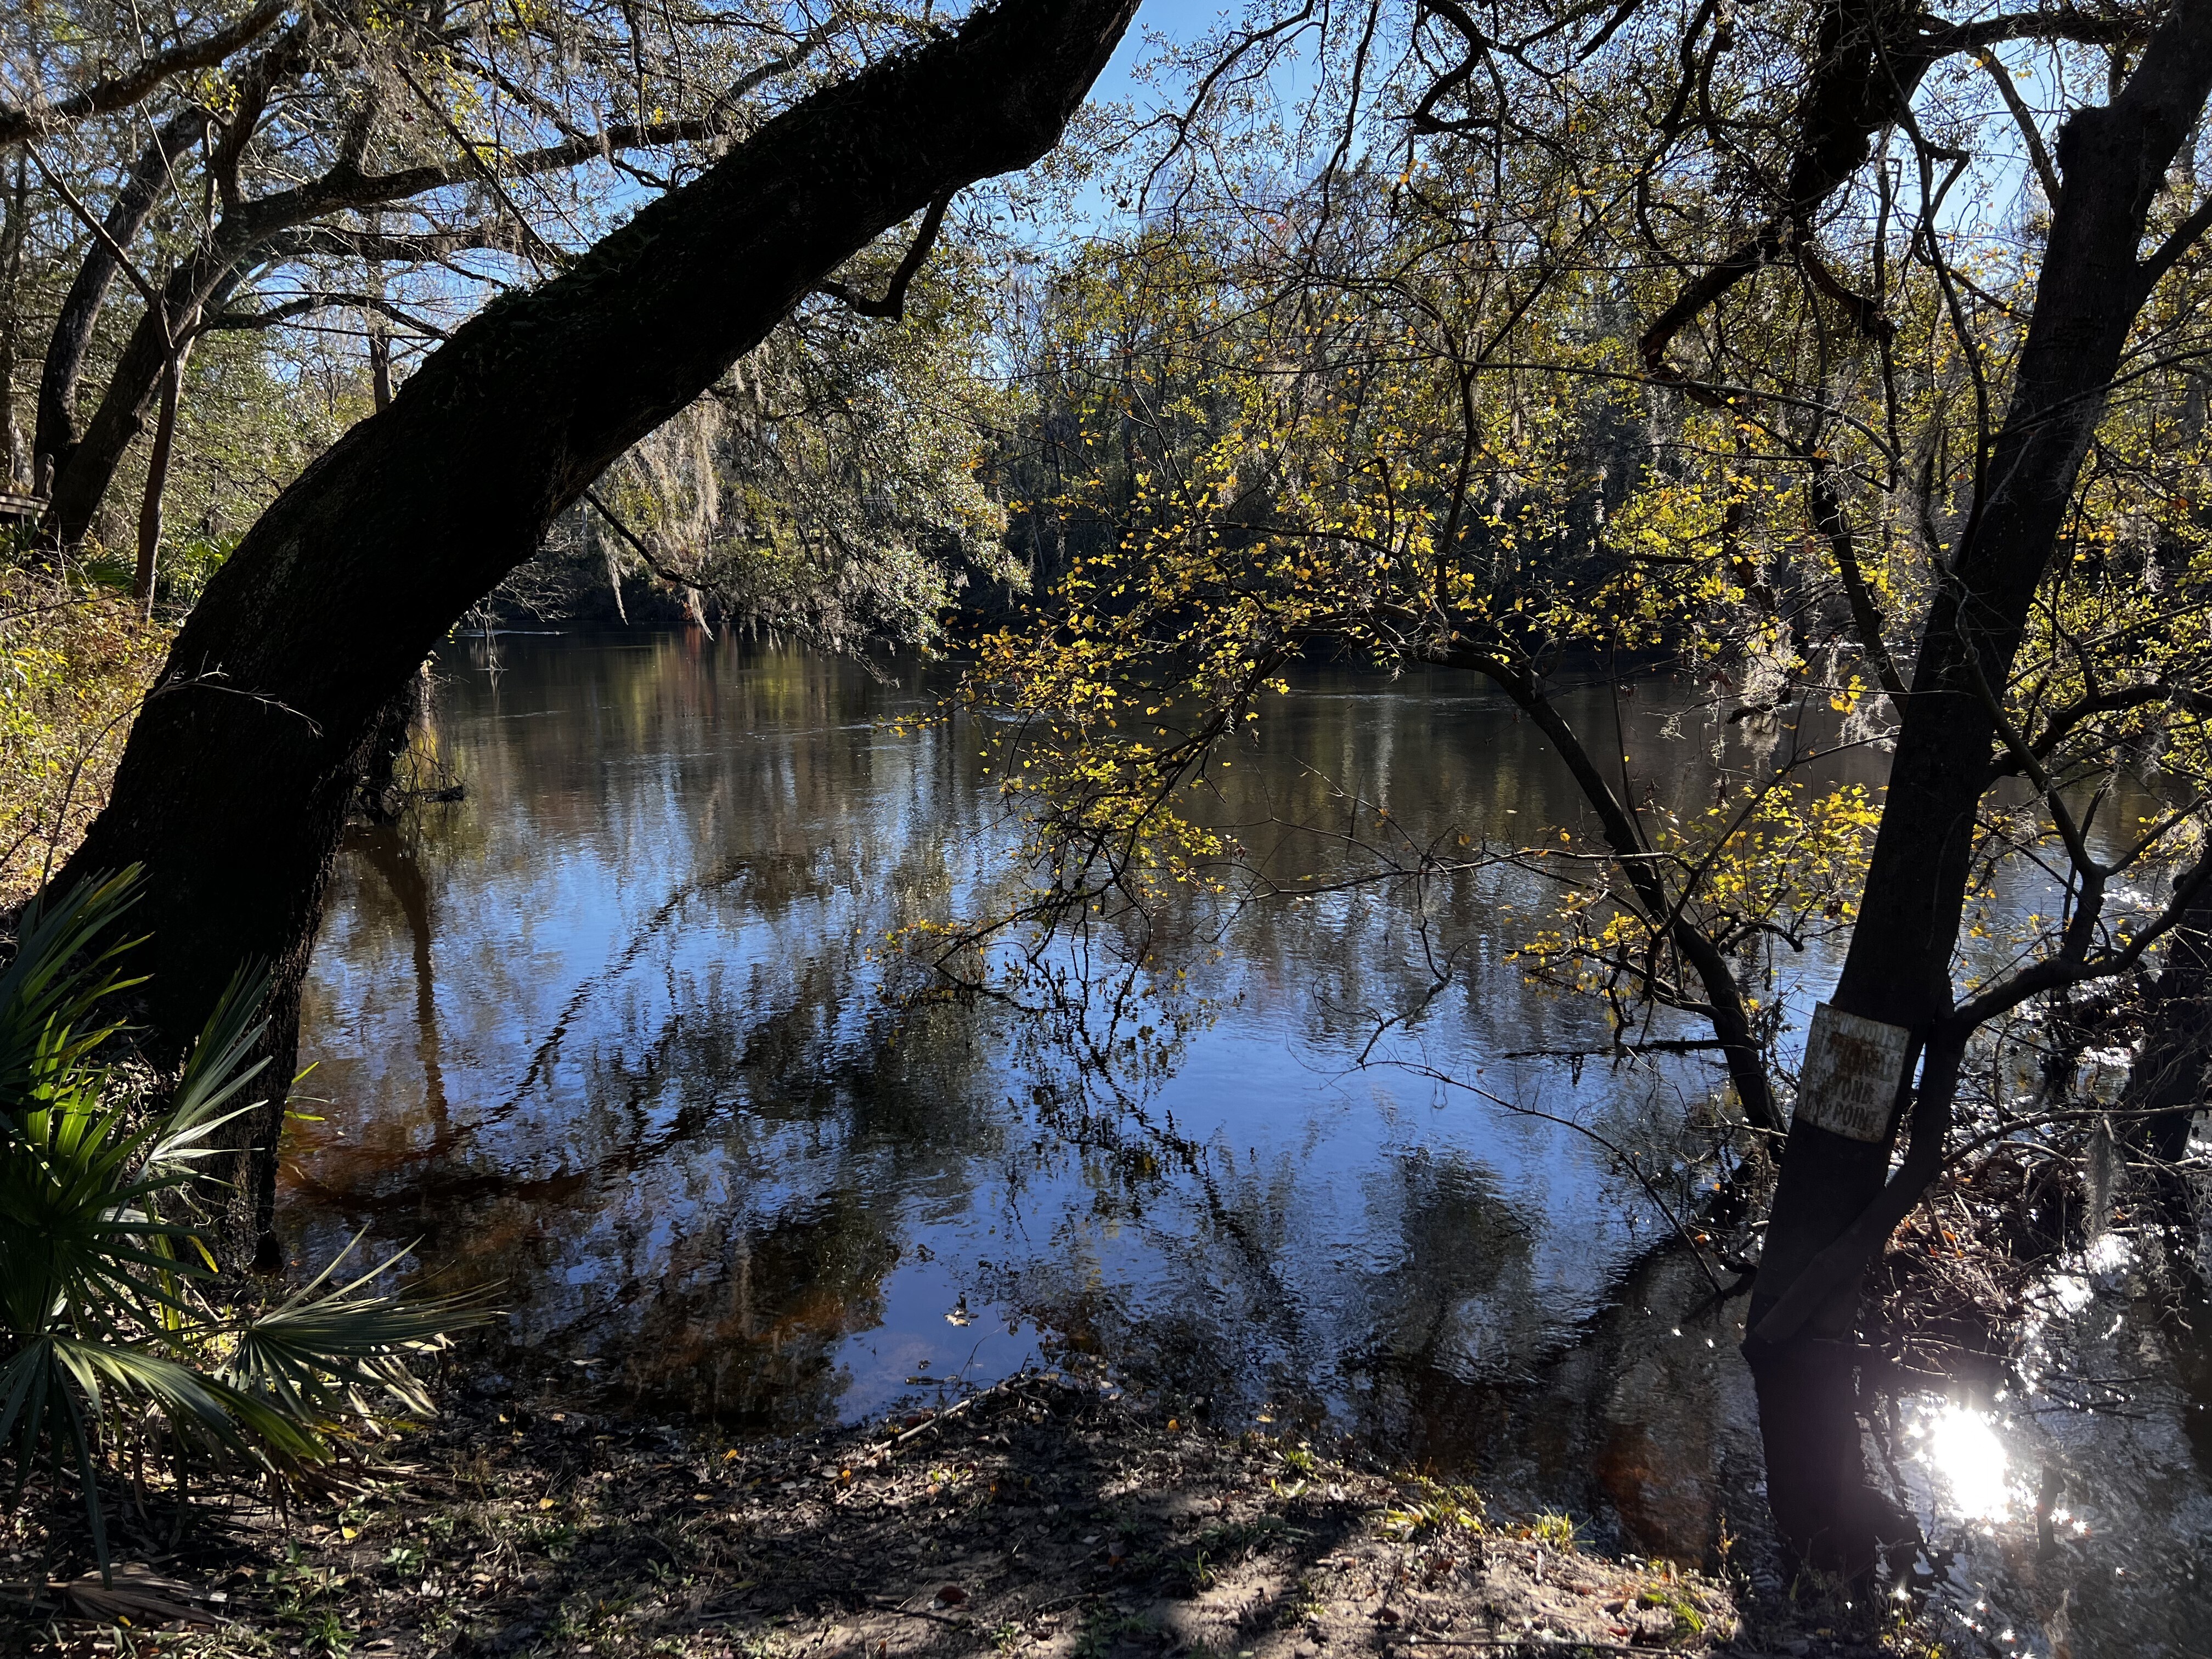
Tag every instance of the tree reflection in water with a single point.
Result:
(615, 1030)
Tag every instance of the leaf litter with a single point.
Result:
(1041, 1515)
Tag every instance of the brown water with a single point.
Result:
(615, 1031)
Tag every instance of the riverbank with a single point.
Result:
(1044, 1517)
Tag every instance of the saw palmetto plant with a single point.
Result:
(116, 1328)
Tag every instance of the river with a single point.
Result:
(618, 1031)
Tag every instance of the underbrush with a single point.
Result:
(128, 1362)
(76, 658)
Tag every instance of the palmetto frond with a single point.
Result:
(57, 976)
(327, 1349)
(109, 1309)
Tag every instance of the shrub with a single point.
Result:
(113, 1319)
(76, 660)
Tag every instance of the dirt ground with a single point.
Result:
(1044, 1517)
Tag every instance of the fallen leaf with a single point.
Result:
(951, 1595)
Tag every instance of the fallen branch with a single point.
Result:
(939, 1417)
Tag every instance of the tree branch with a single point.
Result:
(893, 304)
(308, 303)
(119, 91)
(1827, 514)
(2169, 252)
(2024, 118)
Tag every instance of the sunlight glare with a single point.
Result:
(1965, 1451)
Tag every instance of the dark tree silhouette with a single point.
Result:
(233, 789)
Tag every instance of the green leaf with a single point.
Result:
(56, 977)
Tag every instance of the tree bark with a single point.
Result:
(55, 434)
(157, 481)
(2113, 162)
(233, 789)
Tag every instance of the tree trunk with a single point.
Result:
(233, 789)
(157, 481)
(2114, 160)
(379, 365)
(2166, 1087)
(55, 433)
(13, 232)
(85, 469)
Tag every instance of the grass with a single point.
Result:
(1556, 1531)
(1440, 1509)
(1689, 1617)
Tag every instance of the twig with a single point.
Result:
(937, 1418)
(889, 1605)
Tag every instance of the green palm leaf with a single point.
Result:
(319, 1351)
(105, 1314)
(56, 977)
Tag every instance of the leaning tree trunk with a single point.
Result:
(2113, 162)
(234, 786)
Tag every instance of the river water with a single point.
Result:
(618, 1031)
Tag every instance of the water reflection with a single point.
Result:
(1969, 1459)
(611, 1031)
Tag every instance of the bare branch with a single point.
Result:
(307, 304)
(893, 304)
(119, 91)
(2024, 118)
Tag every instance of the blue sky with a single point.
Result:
(1178, 20)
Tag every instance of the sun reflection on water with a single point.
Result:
(1965, 1451)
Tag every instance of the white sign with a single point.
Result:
(1853, 1069)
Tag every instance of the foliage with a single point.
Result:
(832, 485)
(1438, 1509)
(74, 659)
(1557, 1530)
(1398, 396)
(118, 1330)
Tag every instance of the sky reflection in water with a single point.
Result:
(611, 1031)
